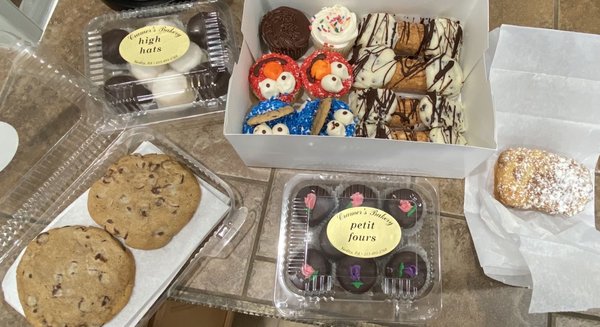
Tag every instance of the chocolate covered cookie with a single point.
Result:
(145, 199)
(74, 276)
(358, 195)
(310, 272)
(205, 27)
(125, 89)
(356, 275)
(319, 203)
(410, 268)
(405, 205)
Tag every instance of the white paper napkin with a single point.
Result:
(155, 269)
(546, 91)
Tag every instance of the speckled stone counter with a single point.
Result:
(244, 280)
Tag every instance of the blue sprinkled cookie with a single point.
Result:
(339, 120)
(269, 112)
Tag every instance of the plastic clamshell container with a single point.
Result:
(67, 137)
(172, 94)
(378, 290)
(365, 154)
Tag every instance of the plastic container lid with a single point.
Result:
(163, 62)
(356, 248)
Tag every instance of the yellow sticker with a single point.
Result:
(154, 45)
(364, 232)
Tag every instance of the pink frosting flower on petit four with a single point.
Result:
(310, 200)
(357, 199)
(405, 206)
(307, 270)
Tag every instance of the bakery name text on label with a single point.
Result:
(154, 45)
(364, 232)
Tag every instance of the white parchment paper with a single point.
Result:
(155, 269)
(546, 91)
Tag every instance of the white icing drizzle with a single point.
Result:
(332, 83)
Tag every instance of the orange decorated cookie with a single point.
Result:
(326, 74)
(275, 76)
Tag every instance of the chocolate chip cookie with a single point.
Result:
(74, 276)
(145, 199)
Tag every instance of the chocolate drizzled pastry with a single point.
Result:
(445, 118)
(286, 30)
(111, 41)
(407, 114)
(429, 38)
(376, 29)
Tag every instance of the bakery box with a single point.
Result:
(365, 154)
(65, 138)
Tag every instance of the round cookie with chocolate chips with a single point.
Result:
(74, 276)
(145, 199)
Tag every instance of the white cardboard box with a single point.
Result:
(362, 154)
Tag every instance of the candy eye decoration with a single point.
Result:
(268, 88)
(280, 129)
(263, 129)
(340, 70)
(343, 116)
(335, 128)
(286, 82)
(332, 83)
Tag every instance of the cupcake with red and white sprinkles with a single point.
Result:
(326, 74)
(334, 28)
(275, 76)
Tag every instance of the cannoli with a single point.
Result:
(373, 130)
(373, 105)
(378, 67)
(445, 118)
(407, 115)
(436, 37)
(410, 135)
(376, 29)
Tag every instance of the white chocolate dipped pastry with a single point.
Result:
(376, 29)
(373, 105)
(444, 76)
(438, 111)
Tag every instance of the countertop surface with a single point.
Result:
(244, 280)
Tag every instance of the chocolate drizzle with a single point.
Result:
(380, 22)
(371, 101)
(260, 64)
(407, 114)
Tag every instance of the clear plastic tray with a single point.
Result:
(377, 290)
(196, 91)
(68, 136)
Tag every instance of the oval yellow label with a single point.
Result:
(364, 232)
(154, 45)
